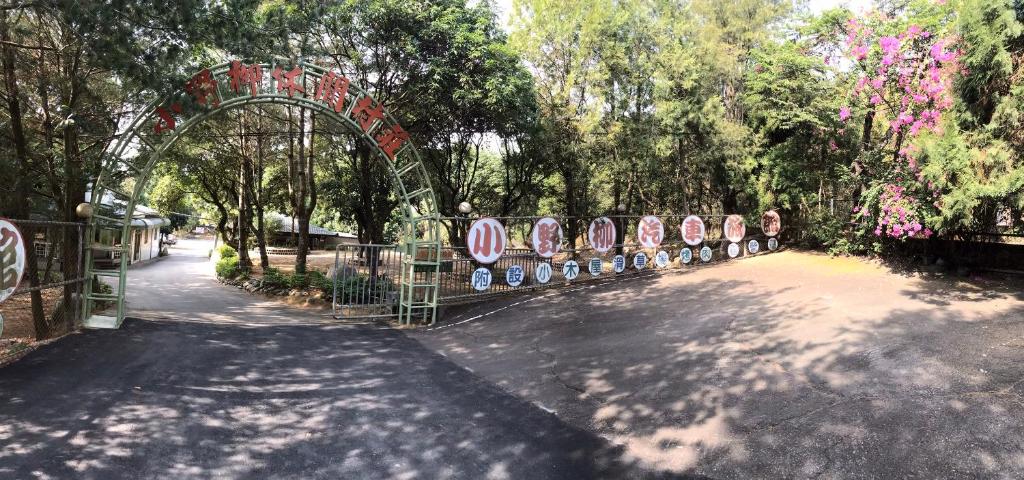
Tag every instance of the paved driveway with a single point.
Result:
(789, 365)
(215, 385)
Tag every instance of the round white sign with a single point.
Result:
(486, 240)
(546, 237)
(542, 273)
(650, 232)
(705, 254)
(692, 230)
(601, 234)
(685, 256)
(734, 250)
(481, 279)
(734, 229)
(594, 266)
(571, 270)
(771, 223)
(773, 243)
(12, 258)
(640, 260)
(753, 246)
(619, 264)
(514, 276)
(661, 259)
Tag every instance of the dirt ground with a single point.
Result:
(790, 365)
(17, 313)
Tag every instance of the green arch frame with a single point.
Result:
(128, 164)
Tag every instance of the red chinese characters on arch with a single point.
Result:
(165, 118)
(287, 80)
(734, 229)
(203, 88)
(601, 234)
(242, 75)
(331, 90)
(486, 240)
(692, 230)
(546, 237)
(650, 232)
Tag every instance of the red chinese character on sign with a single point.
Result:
(602, 234)
(366, 114)
(166, 120)
(693, 230)
(390, 139)
(486, 240)
(286, 80)
(202, 87)
(734, 229)
(650, 231)
(548, 238)
(251, 75)
(332, 90)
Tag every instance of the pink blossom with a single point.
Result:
(860, 52)
(928, 232)
(939, 54)
(878, 82)
(844, 113)
(875, 99)
(890, 45)
(913, 30)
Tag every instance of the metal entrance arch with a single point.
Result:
(126, 167)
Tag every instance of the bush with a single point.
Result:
(227, 251)
(359, 289)
(227, 267)
(274, 278)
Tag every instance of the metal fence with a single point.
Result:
(458, 266)
(366, 281)
(366, 277)
(47, 301)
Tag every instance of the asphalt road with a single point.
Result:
(251, 389)
(788, 365)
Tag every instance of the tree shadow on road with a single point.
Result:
(755, 379)
(205, 400)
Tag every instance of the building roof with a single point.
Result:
(287, 222)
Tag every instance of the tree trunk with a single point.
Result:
(244, 177)
(261, 230)
(21, 206)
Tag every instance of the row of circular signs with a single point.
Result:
(487, 239)
(516, 274)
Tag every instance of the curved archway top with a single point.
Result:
(139, 148)
(233, 84)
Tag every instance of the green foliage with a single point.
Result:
(227, 268)
(361, 288)
(227, 251)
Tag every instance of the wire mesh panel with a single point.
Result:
(47, 300)
(366, 281)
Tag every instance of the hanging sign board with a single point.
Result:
(771, 223)
(546, 237)
(542, 273)
(650, 232)
(486, 240)
(571, 270)
(661, 259)
(705, 254)
(753, 246)
(640, 260)
(514, 276)
(734, 250)
(619, 264)
(601, 234)
(594, 266)
(733, 229)
(692, 230)
(12, 258)
(685, 256)
(481, 279)
(773, 243)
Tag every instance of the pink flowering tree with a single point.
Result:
(901, 91)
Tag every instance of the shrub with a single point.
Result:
(359, 289)
(274, 278)
(227, 267)
(227, 251)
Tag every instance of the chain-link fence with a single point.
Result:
(47, 302)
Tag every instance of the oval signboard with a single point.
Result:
(650, 232)
(601, 234)
(733, 229)
(771, 223)
(486, 240)
(12, 258)
(546, 237)
(692, 230)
